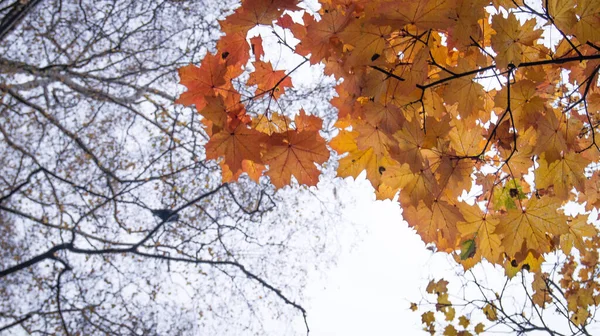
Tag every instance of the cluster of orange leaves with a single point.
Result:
(413, 112)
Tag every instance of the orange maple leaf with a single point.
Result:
(367, 41)
(371, 136)
(256, 12)
(322, 39)
(234, 48)
(257, 47)
(305, 122)
(415, 187)
(210, 78)
(389, 118)
(235, 145)
(424, 14)
(269, 80)
(295, 153)
(410, 142)
(435, 224)
(221, 110)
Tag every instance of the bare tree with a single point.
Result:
(92, 145)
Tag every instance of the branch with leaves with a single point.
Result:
(481, 126)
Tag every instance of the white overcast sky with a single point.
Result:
(384, 269)
(370, 289)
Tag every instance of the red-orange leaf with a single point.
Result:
(257, 47)
(256, 12)
(269, 80)
(295, 153)
(322, 38)
(210, 78)
(234, 48)
(235, 145)
(305, 122)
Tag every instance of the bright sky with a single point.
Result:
(370, 290)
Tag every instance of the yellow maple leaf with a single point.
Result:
(526, 103)
(490, 312)
(450, 313)
(479, 328)
(483, 228)
(580, 316)
(274, 123)
(450, 330)
(541, 292)
(344, 142)
(563, 14)
(587, 27)
(437, 287)
(511, 38)
(530, 225)
(428, 318)
(578, 230)
(529, 261)
(442, 302)
(563, 175)
(466, 140)
(466, 92)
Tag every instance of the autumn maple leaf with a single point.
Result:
(295, 153)
(512, 39)
(531, 225)
(235, 145)
(268, 80)
(256, 12)
(207, 80)
(482, 228)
